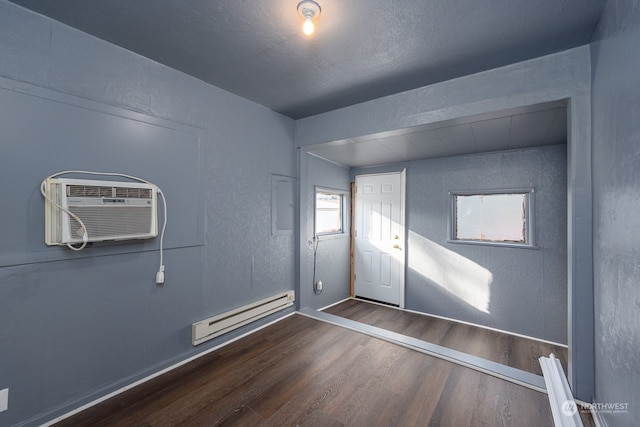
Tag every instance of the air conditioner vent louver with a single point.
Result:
(136, 193)
(102, 191)
(108, 210)
(89, 191)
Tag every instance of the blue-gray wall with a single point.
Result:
(514, 289)
(74, 327)
(565, 75)
(58, 351)
(332, 258)
(616, 224)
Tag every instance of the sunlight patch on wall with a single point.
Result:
(461, 277)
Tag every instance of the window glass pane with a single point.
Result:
(491, 217)
(328, 212)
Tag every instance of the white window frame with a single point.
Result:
(529, 194)
(343, 211)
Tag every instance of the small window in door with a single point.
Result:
(329, 211)
(492, 217)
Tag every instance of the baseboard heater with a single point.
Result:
(221, 324)
(563, 407)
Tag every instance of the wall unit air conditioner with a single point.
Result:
(109, 210)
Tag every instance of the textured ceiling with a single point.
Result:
(362, 49)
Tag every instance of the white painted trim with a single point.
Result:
(335, 303)
(559, 393)
(403, 230)
(160, 372)
(465, 323)
(596, 416)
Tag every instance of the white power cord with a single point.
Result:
(160, 273)
(85, 236)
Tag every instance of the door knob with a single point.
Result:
(396, 246)
(396, 237)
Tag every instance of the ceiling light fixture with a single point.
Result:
(308, 9)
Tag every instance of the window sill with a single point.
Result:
(332, 236)
(494, 244)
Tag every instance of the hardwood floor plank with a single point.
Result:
(298, 377)
(243, 384)
(229, 382)
(242, 416)
(422, 400)
(433, 330)
(457, 401)
(376, 404)
(301, 371)
(507, 349)
(410, 365)
(346, 369)
(490, 404)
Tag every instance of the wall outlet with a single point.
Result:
(4, 399)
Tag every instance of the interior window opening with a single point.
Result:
(500, 217)
(329, 212)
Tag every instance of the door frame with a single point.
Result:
(403, 230)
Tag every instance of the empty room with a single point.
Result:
(299, 212)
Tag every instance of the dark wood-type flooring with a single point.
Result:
(510, 350)
(303, 372)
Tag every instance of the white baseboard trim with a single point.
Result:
(598, 420)
(335, 303)
(595, 415)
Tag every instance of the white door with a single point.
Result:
(379, 251)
